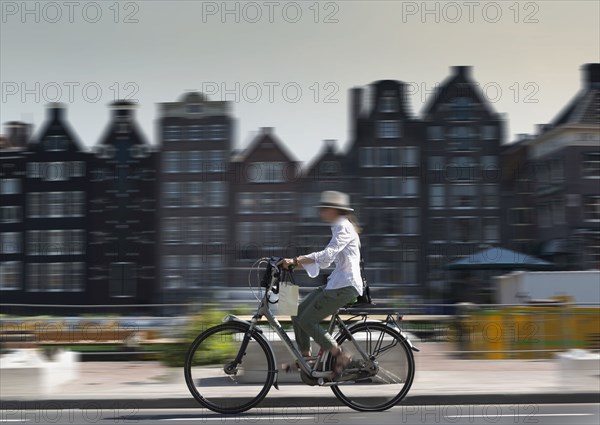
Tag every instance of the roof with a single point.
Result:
(461, 75)
(584, 108)
(499, 258)
(265, 135)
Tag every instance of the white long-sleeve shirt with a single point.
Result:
(344, 250)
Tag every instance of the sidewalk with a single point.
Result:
(439, 379)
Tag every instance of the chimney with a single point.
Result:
(356, 95)
(122, 110)
(56, 111)
(330, 145)
(591, 75)
(17, 133)
(461, 71)
(266, 130)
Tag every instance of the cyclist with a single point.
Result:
(343, 285)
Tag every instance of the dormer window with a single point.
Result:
(388, 104)
(55, 143)
(462, 108)
(194, 108)
(388, 129)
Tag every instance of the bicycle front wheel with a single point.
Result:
(213, 381)
(396, 368)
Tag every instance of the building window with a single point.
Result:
(55, 277)
(590, 167)
(55, 143)
(194, 161)
(366, 157)
(10, 214)
(410, 221)
(435, 132)
(218, 161)
(437, 229)
(266, 172)
(194, 230)
(462, 109)
(490, 196)
(464, 229)
(491, 229)
(10, 243)
(392, 187)
(194, 108)
(217, 194)
(77, 169)
(267, 203)
(218, 132)
(10, 275)
(386, 221)
(461, 139)
(172, 194)
(10, 186)
(122, 279)
(171, 162)
(591, 208)
(173, 271)
(591, 256)
(410, 156)
(521, 216)
(245, 232)
(195, 196)
(388, 104)
(195, 271)
(489, 162)
(386, 129)
(557, 173)
(408, 267)
(544, 215)
(33, 170)
(436, 163)
(388, 157)
(558, 211)
(489, 132)
(56, 204)
(309, 200)
(171, 133)
(216, 231)
(195, 132)
(55, 171)
(463, 195)
(172, 230)
(437, 196)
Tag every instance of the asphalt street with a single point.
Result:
(542, 414)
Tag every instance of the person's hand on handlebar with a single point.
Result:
(289, 263)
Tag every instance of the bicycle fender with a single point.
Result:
(234, 318)
(396, 328)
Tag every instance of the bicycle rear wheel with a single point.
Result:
(225, 390)
(396, 368)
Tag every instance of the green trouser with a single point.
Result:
(317, 305)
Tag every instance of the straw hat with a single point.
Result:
(335, 199)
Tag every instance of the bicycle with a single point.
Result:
(231, 367)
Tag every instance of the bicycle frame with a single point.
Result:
(264, 310)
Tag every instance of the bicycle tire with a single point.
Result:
(256, 336)
(410, 365)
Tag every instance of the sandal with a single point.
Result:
(342, 361)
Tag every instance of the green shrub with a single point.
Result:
(174, 354)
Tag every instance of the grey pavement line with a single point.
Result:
(302, 401)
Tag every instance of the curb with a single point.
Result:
(281, 402)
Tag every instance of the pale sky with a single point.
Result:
(530, 69)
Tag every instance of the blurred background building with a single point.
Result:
(195, 206)
(140, 223)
